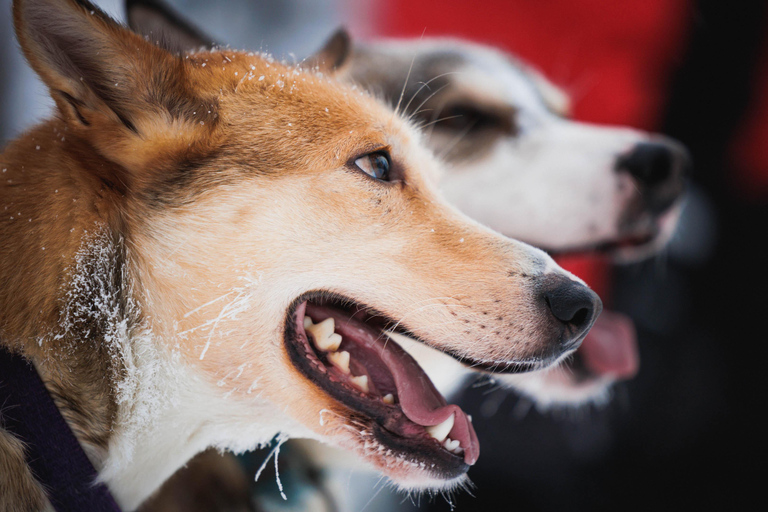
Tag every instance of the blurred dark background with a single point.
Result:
(686, 432)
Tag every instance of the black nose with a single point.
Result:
(574, 305)
(659, 168)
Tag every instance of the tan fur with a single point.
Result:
(19, 491)
(172, 191)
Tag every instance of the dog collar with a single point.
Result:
(52, 451)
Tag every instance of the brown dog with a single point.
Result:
(516, 163)
(205, 250)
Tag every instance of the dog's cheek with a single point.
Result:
(307, 404)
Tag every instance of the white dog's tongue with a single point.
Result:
(424, 405)
(610, 348)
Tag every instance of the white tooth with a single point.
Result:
(340, 360)
(452, 445)
(331, 343)
(388, 398)
(441, 430)
(307, 322)
(321, 331)
(361, 382)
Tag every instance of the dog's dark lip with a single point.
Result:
(487, 366)
(606, 248)
(506, 367)
(365, 411)
(501, 366)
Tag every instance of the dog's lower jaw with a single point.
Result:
(424, 484)
(406, 475)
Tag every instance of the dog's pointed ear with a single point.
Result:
(129, 99)
(333, 55)
(157, 21)
(92, 66)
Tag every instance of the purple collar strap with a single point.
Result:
(53, 452)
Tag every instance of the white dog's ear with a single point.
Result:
(555, 98)
(333, 55)
(157, 21)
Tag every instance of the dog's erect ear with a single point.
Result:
(93, 66)
(555, 98)
(106, 80)
(334, 53)
(162, 25)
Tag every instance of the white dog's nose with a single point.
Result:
(659, 168)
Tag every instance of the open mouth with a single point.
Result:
(627, 243)
(342, 347)
(647, 236)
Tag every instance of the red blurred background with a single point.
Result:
(682, 433)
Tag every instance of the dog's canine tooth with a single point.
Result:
(441, 430)
(452, 445)
(361, 383)
(340, 360)
(321, 332)
(307, 323)
(389, 399)
(332, 343)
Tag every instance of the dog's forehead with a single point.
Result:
(499, 77)
(444, 67)
(283, 100)
(277, 118)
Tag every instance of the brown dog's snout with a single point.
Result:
(659, 168)
(573, 305)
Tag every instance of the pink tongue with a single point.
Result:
(610, 348)
(423, 404)
(420, 401)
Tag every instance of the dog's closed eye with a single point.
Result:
(469, 118)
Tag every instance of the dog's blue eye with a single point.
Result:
(375, 165)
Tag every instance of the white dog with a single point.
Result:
(519, 165)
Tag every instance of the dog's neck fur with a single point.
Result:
(166, 420)
(133, 404)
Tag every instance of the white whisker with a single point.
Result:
(426, 84)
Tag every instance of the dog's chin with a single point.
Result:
(568, 386)
(381, 404)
